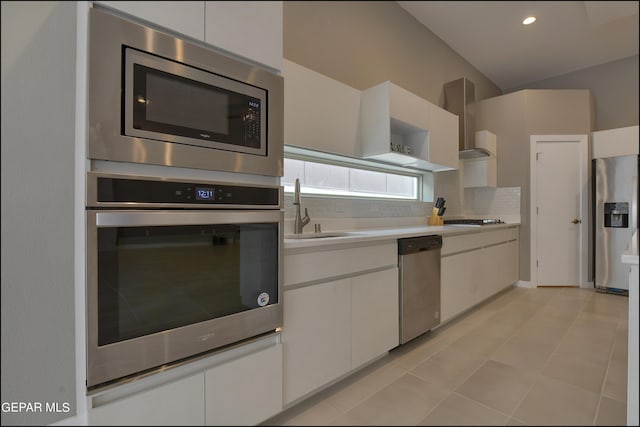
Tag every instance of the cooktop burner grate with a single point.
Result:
(473, 221)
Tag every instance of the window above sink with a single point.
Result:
(330, 175)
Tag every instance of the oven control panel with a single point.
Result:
(139, 192)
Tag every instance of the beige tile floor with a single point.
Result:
(546, 356)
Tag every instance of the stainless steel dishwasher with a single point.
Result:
(419, 264)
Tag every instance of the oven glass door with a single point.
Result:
(158, 278)
(170, 284)
(174, 102)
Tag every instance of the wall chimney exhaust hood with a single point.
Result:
(459, 98)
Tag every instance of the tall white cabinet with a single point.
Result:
(241, 385)
(184, 17)
(252, 29)
(248, 29)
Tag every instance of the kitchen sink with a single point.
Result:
(320, 235)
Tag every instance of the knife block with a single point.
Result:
(435, 219)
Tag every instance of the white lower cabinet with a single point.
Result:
(475, 267)
(316, 336)
(458, 283)
(374, 315)
(177, 403)
(337, 319)
(244, 391)
(239, 386)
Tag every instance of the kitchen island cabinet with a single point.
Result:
(630, 257)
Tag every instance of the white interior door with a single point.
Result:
(559, 217)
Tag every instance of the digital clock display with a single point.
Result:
(205, 193)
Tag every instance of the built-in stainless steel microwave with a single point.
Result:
(158, 99)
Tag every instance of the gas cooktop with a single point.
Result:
(473, 221)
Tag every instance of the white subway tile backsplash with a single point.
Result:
(492, 202)
(342, 213)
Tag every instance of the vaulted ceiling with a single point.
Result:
(567, 36)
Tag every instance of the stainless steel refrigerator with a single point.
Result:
(615, 197)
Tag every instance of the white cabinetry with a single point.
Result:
(399, 127)
(249, 29)
(475, 266)
(443, 137)
(184, 17)
(374, 326)
(246, 390)
(252, 29)
(482, 171)
(241, 385)
(176, 403)
(337, 319)
(615, 142)
(316, 336)
(320, 113)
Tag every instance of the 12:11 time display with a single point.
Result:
(205, 193)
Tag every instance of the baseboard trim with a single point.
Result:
(524, 284)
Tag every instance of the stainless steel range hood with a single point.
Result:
(459, 98)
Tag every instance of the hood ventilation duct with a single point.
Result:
(460, 99)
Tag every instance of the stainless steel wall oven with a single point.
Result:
(177, 268)
(158, 99)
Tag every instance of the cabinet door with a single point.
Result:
(459, 283)
(252, 29)
(480, 172)
(443, 137)
(245, 391)
(181, 16)
(305, 122)
(176, 403)
(316, 336)
(374, 315)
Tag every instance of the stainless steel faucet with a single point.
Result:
(300, 221)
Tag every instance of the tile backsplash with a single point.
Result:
(338, 213)
(489, 202)
(343, 213)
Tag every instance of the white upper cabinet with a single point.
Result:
(399, 127)
(615, 142)
(482, 171)
(249, 29)
(443, 137)
(252, 29)
(185, 17)
(320, 113)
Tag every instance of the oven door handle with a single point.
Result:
(140, 218)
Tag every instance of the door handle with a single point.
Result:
(576, 221)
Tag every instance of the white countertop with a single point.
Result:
(630, 256)
(390, 233)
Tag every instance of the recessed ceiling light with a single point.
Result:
(529, 20)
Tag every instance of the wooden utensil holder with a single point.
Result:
(435, 219)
